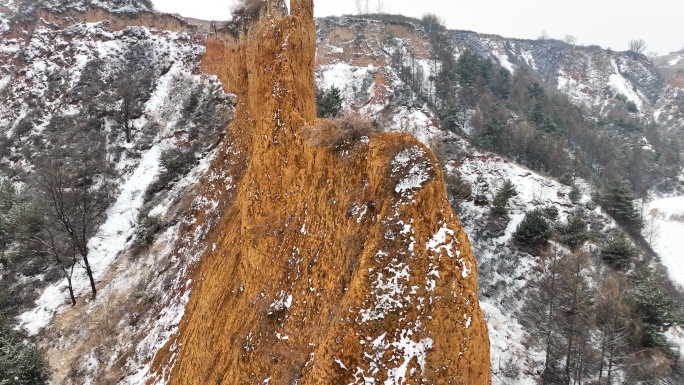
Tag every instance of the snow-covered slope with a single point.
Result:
(68, 74)
(504, 272)
(665, 231)
(590, 76)
(364, 70)
(367, 80)
(40, 84)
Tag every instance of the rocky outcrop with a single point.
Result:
(334, 259)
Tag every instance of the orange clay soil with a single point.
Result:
(334, 261)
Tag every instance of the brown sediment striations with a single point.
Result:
(333, 261)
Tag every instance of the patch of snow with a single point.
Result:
(664, 229)
(622, 86)
(439, 242)
(346, 77)
(388, 290)
(417, 172)
(529, 59)
(675, 61)
(410, 350)
(114, 236)
(504, 62)
(4, 82)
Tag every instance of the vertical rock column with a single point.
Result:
(337, 261)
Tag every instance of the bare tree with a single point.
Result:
(57, 250)
(613, 318)
(570, 39)
(359, 7)
(126, 91)
(543, 36)
(637, 46)
(653, 224)
(129, 90)
(380, 6)
(74, 198)
(557, 315)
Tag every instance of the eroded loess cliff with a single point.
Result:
(332, 261)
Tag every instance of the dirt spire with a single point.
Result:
(335, 261)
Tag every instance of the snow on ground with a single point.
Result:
(572, 88)
(623, 86)
(665, 229)
(114, 236)
(357, 87)
(675, 60)
(137, 171)
(529, 59)
(419, 123)
(533, 189)
(347, 78)
(513, 361)
(506, 338)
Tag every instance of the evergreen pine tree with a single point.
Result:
(328, 102)
(500, 83)
(9, 197)
(618, 252)
(548, 125)
(537, 114)
(466, 68)
(536, 90)
(575, 194)
(619, 203)
(500, 201)
(21, 362)
(551, 212)
(655, 307)
(574, 233)
(534, 229)
(481, 191)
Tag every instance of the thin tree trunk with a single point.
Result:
(610, 366)
(549, 319)
(71, 291)
(603, 356)
(567, 359)
(89, 271)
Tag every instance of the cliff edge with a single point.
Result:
(332, 259)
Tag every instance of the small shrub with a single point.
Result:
(618, 252)
(500, 202)
(575, 194)
(175, 161)
(481, 191)
(575, 232)
(550, 212)
(458, 188)
(328, 102)
(342, 130)
(354, 126)
(147, 228)
(534, 229)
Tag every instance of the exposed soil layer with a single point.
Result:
(337, 259)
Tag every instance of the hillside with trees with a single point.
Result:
(116, 165)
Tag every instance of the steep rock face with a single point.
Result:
(333, 260)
